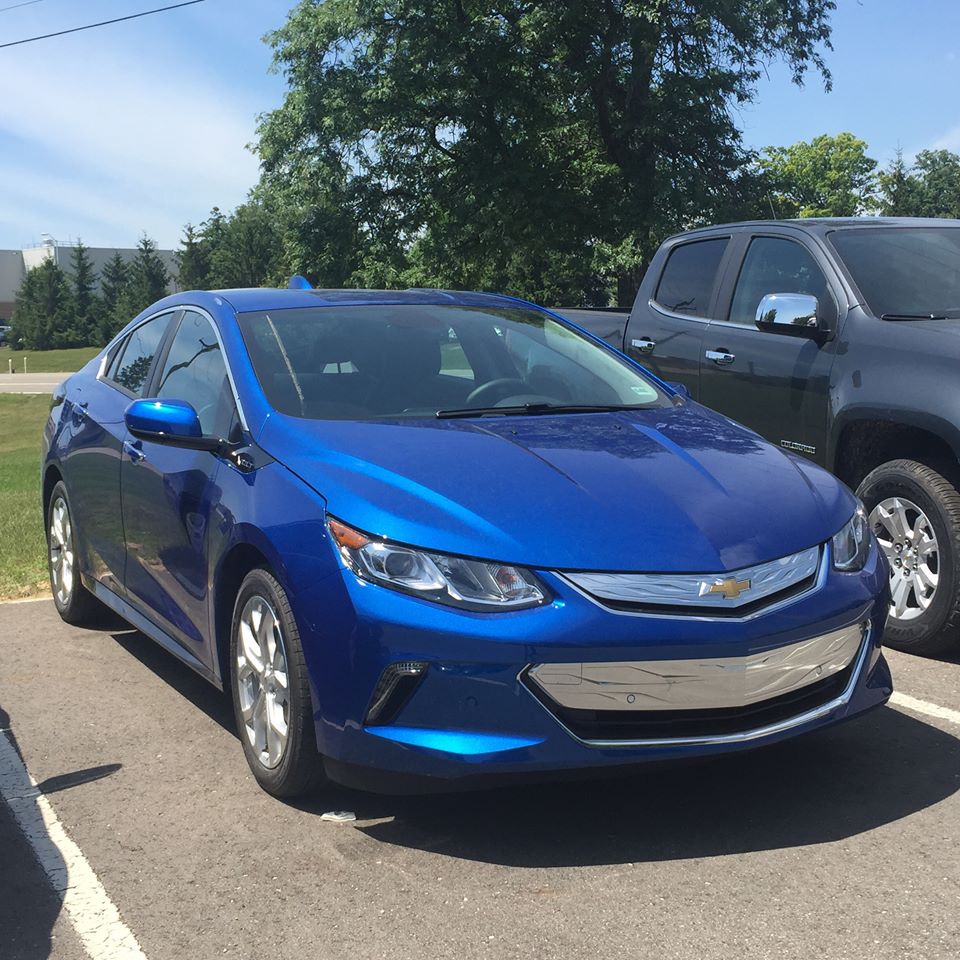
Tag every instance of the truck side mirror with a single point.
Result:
(794, 314)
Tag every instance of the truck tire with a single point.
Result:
(915, 515)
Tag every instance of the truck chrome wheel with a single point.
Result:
(61, 551)
(262, 681)
(907, 538)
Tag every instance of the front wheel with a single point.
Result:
(271, 691)
(915, 515)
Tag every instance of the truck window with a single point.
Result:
(689, 276)
(777, 265)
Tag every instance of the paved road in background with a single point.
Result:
(843, 844)
(30, 382)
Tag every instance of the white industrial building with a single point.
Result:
(14, 265)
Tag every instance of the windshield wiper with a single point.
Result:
(525, 409)
(916, 316)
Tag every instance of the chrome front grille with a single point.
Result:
(728, 699)
(705, 684)
(735, 593)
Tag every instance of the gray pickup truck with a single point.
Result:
(838, 340)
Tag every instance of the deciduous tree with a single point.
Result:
(536, 147)
(825, 177)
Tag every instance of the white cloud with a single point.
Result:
(950, 140)
(127, 143)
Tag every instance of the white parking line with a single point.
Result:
(92, 913)
(922, 706)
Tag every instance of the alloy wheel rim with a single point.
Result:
(908, 540)
(263, 688)
(61, 551)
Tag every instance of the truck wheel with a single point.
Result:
(915, 515)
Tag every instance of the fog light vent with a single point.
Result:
(394, 688)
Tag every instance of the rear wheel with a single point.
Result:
(271, 691)
(915, 515)
(75, 604)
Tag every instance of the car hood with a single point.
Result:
(677, 489)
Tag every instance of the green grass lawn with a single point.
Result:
(47, 361)
(23, 565)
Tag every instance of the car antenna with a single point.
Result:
(299, 282)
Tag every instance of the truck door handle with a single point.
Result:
(134, 450)
(720, 357)
(643, 345)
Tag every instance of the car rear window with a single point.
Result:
(689, 276)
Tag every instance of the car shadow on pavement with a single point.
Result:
(818, 788)
(824, 787)
(189, 684)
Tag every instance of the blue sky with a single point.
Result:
(144, 125)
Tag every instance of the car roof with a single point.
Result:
(825, 224)
(256, 299)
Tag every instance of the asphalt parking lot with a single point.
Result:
(844, 844)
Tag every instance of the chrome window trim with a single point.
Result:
(745, 736)
(653, 304)
(179, 308)
(677, 612)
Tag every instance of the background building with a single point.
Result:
(14, 265)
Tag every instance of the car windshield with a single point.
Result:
(904, 272)
(410, 360)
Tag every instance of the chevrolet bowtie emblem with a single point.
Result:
(731, 588)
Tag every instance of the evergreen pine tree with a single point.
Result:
(85, 304)
(42, 310)
(193, 263)
(113, 283)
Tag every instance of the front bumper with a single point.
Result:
(476, 710)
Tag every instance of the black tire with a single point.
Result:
(937, 629)
(76, 606)
(300, 768)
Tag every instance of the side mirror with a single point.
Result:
(681, 388)
(795, 314)
(173, 422)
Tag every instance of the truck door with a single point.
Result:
(666, 327)
(776, 384)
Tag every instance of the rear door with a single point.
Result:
(92, 467)
(668, 322)
(776, 384)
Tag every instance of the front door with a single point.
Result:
(776, 384)
(168, 493)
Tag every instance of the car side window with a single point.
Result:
(134, 360)
(196, 372)
(688, 279)
(778, 265)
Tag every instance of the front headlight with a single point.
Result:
(458, 582)
(852, 544)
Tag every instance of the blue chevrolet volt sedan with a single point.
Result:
(451, 535)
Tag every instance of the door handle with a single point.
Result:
(643, 345)
(720, 357)
(134, 450)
